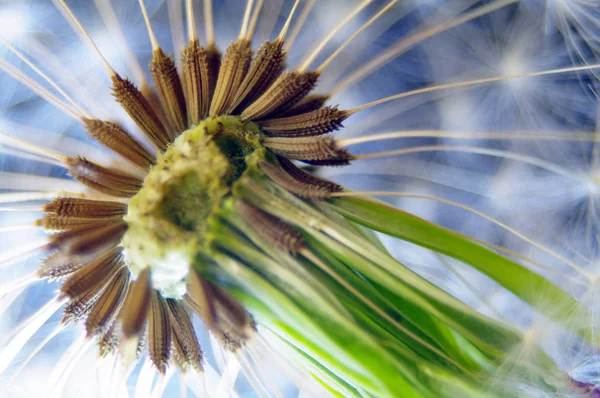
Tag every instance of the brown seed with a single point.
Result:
(307, 104)
(313, 150)
(195, 78)
(57, 266)
(286, 181)
(270, 228)
(159, 332)
(106, 307)
(170, 91)
(85, 208)
(95, 273)
(319, 122)
(115, 138)
(78, 308)
(199, 298)
(142, 341)
(109, 341)
(140, 110)
(282, 95)
(89, 239)
(232, 317)
(134, 312)
(221, 313)
(303, 176)
(234, 67)
(177, 352)
(52, 222)
(108, 181)
(267, 65)
(185, 341)
(149, 93)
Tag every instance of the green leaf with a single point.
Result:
(469, 337)
(318, 330)
(524, 283)
(492, 337)
(421, 331)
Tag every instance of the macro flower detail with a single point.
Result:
(127, 267)
(218, 211)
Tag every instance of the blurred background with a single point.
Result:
(542, 191)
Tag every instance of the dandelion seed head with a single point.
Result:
(169, 267)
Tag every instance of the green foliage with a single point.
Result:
(363, 323)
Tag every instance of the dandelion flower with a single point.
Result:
(213, 215)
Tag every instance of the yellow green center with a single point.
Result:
(168, 217)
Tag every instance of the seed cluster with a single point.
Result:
(123, 311)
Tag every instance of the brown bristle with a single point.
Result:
(89, 239)
(140, 110)
(159, 332)
(109, 341)
(115, 138)
(199, 298)
(270, 228)
(134, 312)
(52, 222)
(85, 208)
(149, 93)
(184, 339)
(314, 150)
(170, 91)
(283, 94)
(95, 273)
(196, 82)
(77, 308)
(299, 188)
(177, 353)
(108, 181)
(304, 176)
(106, 307)
(142, 340)
(319, 122)
(267, 65)
(307, 104)
(56, 266)
(234, 66)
